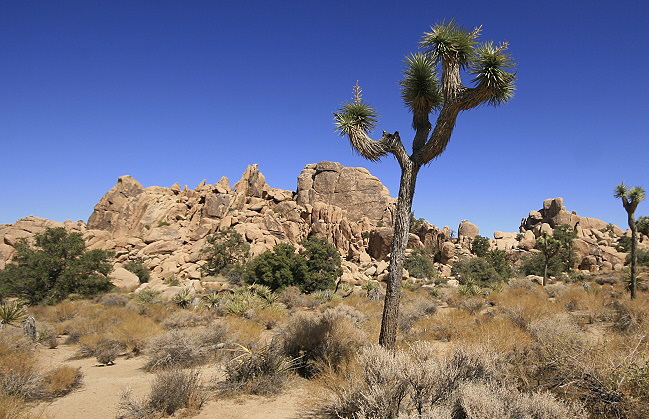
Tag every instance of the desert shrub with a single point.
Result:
(623, 244)
(47, 336)
(643, 257)
(176, 389)
(12, 407)
(420, 264)
(325, 296)
(279, 268)
(498, 259)
(61, 381)
(185, 348)
(331, 337)
(413, 311)
(269, 316)
(323, 265)
(480, 246)
(137, 267)
(171, 391)
(175, 349)
(133, 332)
(225, 249)
(554, 290)
(114, 300)
(292, 298)
(475, 270)
(262, 370)
(184, 318)
(534, 265)
(11, 312)
(19, 376)
(57, 265)
(472, 305)
(419, 382)
(147, 295)
(183, 298)
(100, 347)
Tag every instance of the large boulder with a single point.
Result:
(353, 189)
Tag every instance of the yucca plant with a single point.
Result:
(11, 312)
(431, 82)
(211, 300)
(183, 298)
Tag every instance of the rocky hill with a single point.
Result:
(167, 227)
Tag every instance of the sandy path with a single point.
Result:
(99, 394)
(286, 405)
(102, 386)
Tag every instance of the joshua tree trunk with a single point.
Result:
(388, 335)
(634, 255)
(630, 200)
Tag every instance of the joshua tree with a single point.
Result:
(631, 197)
(452, 49)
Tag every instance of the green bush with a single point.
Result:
(623, 244)
(476, 271)
(137, 267)
(323, 265)
(480, 246)
(57, 265)
(279, 268)
(317, 269)
(498, 259)
(643, 257)
(420, 265)
(533, 265)
(642, 224)
(225, 249)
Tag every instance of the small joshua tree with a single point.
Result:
(452, 49)
(631, 197)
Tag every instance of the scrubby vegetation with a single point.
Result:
(519, 350)
(57, 265)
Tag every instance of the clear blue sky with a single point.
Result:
(180, 91)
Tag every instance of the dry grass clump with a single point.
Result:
(185, 318)
(445, 326)
(263, 370)
(171, 391)
(61, 381)
(12, 407)
(330, 337)
(418, 382)
(412, 311)
(185, 348)
(522, 307)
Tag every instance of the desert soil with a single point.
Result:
(102, 386)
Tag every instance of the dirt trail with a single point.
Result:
(102, 386)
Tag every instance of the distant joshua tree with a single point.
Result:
(631, 197)
(452, 49)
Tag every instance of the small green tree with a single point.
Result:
(224, 249)
(279, 268)
(57, 265)
(420, 264)
(557, 254)
(480, 246)
(323, 265)
(138, 268)
(631, 197)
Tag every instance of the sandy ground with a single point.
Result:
(102, 387)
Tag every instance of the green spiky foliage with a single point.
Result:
(11, 312)
(431, 83)
(450, 42)
(631, 197)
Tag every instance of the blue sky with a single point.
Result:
(181, 91)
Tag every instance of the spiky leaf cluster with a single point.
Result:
(449, 41)
(420, 88)
(355, 115)
(632, 195)
(489, 67)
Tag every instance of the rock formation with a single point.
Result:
(167, 227)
